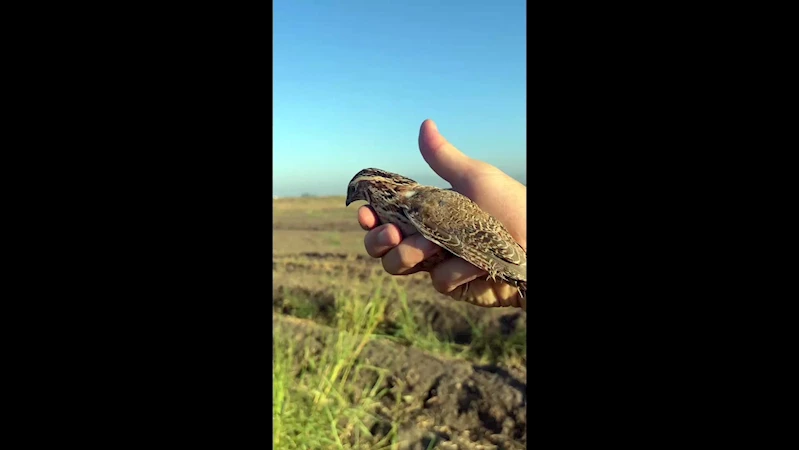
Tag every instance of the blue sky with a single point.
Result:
(353, 81)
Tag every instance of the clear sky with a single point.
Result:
(353, 81)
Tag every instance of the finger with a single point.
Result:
(382, 239)
(410, 252)
(367, 218)
(482, 292)
(446, 160)
(452, 273)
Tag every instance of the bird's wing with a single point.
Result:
(454, 222)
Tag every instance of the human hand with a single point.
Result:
(495, 192)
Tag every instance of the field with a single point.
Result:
(365, 360)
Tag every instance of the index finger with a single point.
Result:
(367, 217)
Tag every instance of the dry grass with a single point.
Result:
(325, 394)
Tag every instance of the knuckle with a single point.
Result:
(369, 243)
(402, 254)
(408, 257)
(389, 264)
(440, 283)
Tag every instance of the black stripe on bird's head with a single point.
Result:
(368, 179)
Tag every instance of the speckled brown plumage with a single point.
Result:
(446, 218)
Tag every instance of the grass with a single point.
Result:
(299, 307)
(333, 239)
(409, 331)
(326, 395)
(316, 402)
(487, 346)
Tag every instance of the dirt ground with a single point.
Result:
(476, 399)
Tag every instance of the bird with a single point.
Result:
(446, 218)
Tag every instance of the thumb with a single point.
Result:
(446, 160)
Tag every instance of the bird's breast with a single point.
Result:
(397, 217)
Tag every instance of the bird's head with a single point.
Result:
(367, 181)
